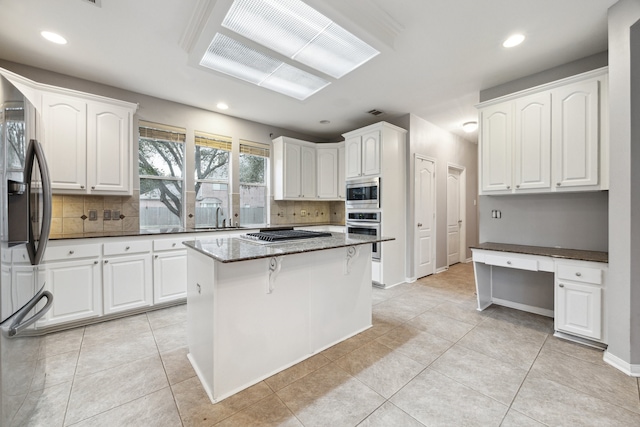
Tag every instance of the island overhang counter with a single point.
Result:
(256, 309)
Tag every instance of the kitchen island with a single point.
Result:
(255, 309)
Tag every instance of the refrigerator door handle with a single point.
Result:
(35, 151)
(19, 323)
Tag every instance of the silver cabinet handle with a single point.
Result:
(173, 245)
(71, 252)
(95, 262)
(419, 224)
(508, 187)
(127, 248)
(578, 274)
(82, 187)
(518, 186)
(156, 256)
(106, 261)
(561, 285)
(509, 262)
(558, 184)
(93, 187)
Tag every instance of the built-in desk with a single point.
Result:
(566, 284)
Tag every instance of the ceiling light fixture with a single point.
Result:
(235, 59)
(297, 31)
(513, 40)
(470, 126)
(324, 122)
(53, 37)
(222, 106)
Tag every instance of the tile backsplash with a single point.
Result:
(285, 212)
(74, 214)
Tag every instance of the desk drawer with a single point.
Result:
(123, 248)
(579, 273)
(511, 262)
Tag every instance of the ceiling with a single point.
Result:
(436, 55)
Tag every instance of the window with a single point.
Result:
(212, 179)
(254, 170)
(161, 166)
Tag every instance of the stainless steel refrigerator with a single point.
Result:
(25, 218)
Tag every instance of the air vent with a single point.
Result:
(94, 2)
(375, 112)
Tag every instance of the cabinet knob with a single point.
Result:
(127, 248)
(558, 184)
(419, 224)
(508, 187)
(95, 262)
(82, 187)
(106, 261)
(561, 285)
(93, 187)
(71, 252)
(173, 245)
(509, 262)
(518, 186)
(156, 256)
(578, 274)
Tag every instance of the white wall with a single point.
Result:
(446, 148)
(623, 288)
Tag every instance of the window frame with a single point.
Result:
(265, 149)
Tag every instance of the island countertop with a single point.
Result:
(234, 249)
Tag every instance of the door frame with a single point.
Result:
(462, 194)
(434, 246)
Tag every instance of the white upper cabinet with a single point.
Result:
(294, 163)
(497, 137)
(550, 138)
(327, 173)
(65, 141)
(308, 172)
(576, 134)
(363, 155)
(533, 142)
(88, 142)
(109, 148)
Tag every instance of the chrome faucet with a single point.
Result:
(218, 217)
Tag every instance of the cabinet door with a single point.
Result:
(576, 134)
(109, 149)
(342, 189)
(169, 276)
(65, 141)
(308, 172)
(127, 282)
(76, 289)
(371, 153)
(353, 159)
(533, 142)
(292, 171)
(579, 309)
(327, 173)
(496, 144)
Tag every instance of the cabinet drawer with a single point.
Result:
(123, 248)
(511, 262)
(579, 273)
(170, 244)
(68, 252)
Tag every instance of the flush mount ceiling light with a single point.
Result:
(233, 58)
(222, 106)
(53, 37)
(470, 126)
(297, 31)
(513, 40)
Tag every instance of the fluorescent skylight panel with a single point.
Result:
(294, 29)
(233, 58)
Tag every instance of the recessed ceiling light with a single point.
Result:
(470, 126)
(53, 37)
(513, 40)
(222, 106)
(324, 122)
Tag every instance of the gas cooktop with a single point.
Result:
(283, 235)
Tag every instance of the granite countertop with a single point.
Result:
(576, 254)
(174, 230)
(235, 249)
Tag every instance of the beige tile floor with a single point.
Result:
(430, 359)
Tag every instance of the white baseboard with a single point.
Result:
(523, 307)
(621, 365)
(468, 260)
(441, 270)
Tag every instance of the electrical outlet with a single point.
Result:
(107, 215)
(93, 215)
(303, 213)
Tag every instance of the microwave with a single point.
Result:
(363, 194)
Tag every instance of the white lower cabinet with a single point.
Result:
(126, 276)
(579, 300)
(169, 270)
(76, 289)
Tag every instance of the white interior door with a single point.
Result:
(425, 237)
(454, 218)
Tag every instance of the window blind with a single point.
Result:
(210, 140)
(248, 147)
(162, 132)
